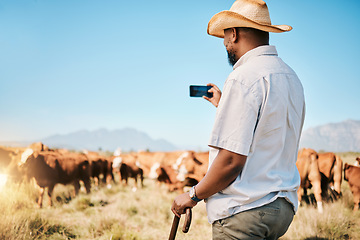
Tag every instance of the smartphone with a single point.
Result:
(199, 91)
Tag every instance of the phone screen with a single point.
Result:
(199, 91)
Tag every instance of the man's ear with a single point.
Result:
(235, 35)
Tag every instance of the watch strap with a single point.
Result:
(194, 197)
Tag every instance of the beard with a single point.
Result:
(231, 57)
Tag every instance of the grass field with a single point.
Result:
(120, 213)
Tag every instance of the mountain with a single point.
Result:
(334, 137)
(127, 139)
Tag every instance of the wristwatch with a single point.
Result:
(193, 196)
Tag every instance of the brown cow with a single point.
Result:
(80, 162)
(352, 175)
(166, 174)
(188, 167)
(99, 167)
(129, 169)
(307, 164)
(197, 165)
(186, 170)
(148, 159)
(50, 168)
(330, 166)
(110, 173)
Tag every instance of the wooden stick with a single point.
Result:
(175, 224)
(187, 222)
(174, 227)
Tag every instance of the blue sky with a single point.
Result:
(83, 64)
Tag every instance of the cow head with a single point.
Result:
(25, 156)
(153, 171)
(117, 162)
(186, 164)
(29, 163)
(179, 160)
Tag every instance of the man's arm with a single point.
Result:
(223, 171)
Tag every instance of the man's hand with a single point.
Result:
(216, 94)
(181, 202)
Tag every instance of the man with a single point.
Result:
(250, 187)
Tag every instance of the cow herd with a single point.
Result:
(323, 172)
(49, 167)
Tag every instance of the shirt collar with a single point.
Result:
(259, 51)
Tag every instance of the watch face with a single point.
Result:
(192, 192)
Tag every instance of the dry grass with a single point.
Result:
(116, 213)
(120, 213)
(337, 222)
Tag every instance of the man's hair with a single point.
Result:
(261, 36)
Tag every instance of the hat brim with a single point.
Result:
(228, 19)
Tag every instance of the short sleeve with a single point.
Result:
(236, 118)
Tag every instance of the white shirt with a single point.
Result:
(260, 115)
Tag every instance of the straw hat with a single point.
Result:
(244, 13)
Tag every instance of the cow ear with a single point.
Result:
(36, 154)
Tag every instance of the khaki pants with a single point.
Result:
(270, 221)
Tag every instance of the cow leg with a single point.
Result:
(50, 191)
(315, 180)
(41, 196)
(96, 181)
(324, 188)
(356, 194)
(126, 180)
(87, 185)
(302, 196)
(142, 178)
(120, 178)
(333, 194)
(140, 174)
(136, 179)
(109, 178)
(104, 178)
(338, 175)
(317, 193)
(127, 176)
(112, 177)
(135, 176)
(76, 187)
